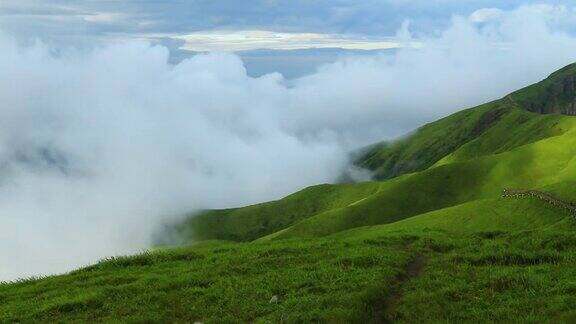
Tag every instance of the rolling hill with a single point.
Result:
(470, 155)
(431, 239)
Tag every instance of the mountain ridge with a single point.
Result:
(493, 128)
(554, 94)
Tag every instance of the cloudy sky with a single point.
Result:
(271, 35)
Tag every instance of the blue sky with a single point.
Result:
(269, 27)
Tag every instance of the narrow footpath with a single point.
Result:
(543, 196)
(385, 309)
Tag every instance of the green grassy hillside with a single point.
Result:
(517, 128)
(436, 140)
(513, 263)
(313, 280)
(478, 135)
(511, 153)
(251, 222)
(539, 164)
(556, 94)
(433, 241)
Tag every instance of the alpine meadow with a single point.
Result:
(166, 184)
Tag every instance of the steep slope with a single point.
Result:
(469, 155)
(432, 142)
(554, 95)
(539, 164)
(458, 178)
(517, 128)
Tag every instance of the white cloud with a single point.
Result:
(97, 148)
(485, 15)
(104, 17)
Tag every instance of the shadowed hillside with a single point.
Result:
(555, 95)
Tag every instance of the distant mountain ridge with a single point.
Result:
(554, 95)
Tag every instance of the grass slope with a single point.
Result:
(320, 280)
(513, 265)
(252, 222)
(434, 141)
(555, 94)
(517, 128)
(431, 142)
(541, 163)
(478, 135)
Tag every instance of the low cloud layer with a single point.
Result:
(97, 148)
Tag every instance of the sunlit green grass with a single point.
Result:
(251, 222)
(318, 280)
(531, 166)
(538, 153)
(515, 264)
(525, 276)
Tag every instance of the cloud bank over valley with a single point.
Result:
(99, 147)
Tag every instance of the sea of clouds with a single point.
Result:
(98, 148)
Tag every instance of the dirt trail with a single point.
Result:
(385, 309)
(543, 196)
